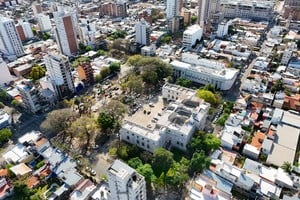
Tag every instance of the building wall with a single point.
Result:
(247, 9)
(172, 9)
(10, 41)
(66, 32)
(21, 32)
(44, 22)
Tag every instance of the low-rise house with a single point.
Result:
(207, 188)
(6, 189)
(5, 119)
(83, 191)
(20, 169)
(18, 154)
(101, 192)
(292, 102)
(251, 151)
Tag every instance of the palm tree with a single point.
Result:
(287, 167)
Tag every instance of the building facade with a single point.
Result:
(44, 22)
(85, 73)
(59, 71)
(113, 9)
(205, 71)
(172, 9)
(10, 42)
(66, 32)
(261, 10)
(142, 32)
(288, 52)
(31, 97)
(191, 35)
(222, 29)
(174, 126)
(125, 183)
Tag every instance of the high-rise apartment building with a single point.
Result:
(66, 32)
(142, 32)
(114, 9)
(59, 71)
(31, 97)
(44, 22)
(203, 12)
(125, 183)
(10, 42)
(173, 8)
(37, 9)
(24, 30)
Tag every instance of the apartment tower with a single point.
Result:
(10, 42)
(59, 71)
(125, 183)
(142, 32)
(173, 7)
(66, 32)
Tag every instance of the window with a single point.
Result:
(148, 146)
(138, 142)
(143, 144)
(128, 138)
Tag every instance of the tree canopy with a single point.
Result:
(199, 162)
(5, 134)
(208, 96)
(37, 72)
(57, 121)
(162, 161)
(152, 70)
(184, 82)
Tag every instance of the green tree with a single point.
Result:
(15, 103)
(162, 161)
(150, 77)
(37, 72)
(211, 142)
(166, 39)
(58, 121)
(98, 78)
(193, 19)
(287, 167)
(177, 175)
(199, 162)
(222, 120)
(116, 109)
(208, 96)
(88, 48)
(147, 171)
(133, 60)
(278, 86)
(115, 67)
(85, 129)
(210, 87)
(105, 71)
(135, 162)
(101, 52)
(106, 121)
(80, 60)
(184, 82)
(5, 134)
(134, 84)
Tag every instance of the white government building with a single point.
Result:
(174, 125)
(204, 71)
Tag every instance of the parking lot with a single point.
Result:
(145, 115)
